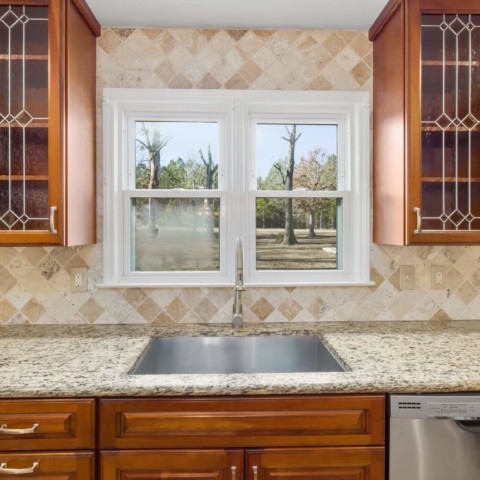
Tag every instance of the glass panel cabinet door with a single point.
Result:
(450, 121)
(24, 182)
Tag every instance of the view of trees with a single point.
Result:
(316, 170)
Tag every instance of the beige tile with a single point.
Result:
(162, 318)
(362, 73)
(62, 255)
(236, 34)
(91, 310)
(7, 310)
(134, 296)
(109, 41)
(33, 310)
(361, 44)
(236, 82)
(317, 307)
(165, 42)
(7, 281)
(208, 82)
(166, 71)
(206, 310)
(179, 81)
(148, 309)
(177, 309)
(34, 254)
(262, 309)
(334, 44)
(250, 71)
(290, 309)
(467, 292)
(440, 315)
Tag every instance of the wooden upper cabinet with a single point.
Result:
(426, 122)
(47, 122)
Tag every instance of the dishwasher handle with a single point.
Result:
(471, 426)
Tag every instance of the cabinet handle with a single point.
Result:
(234, 473)
(53, 230)
(17, 471)
(419, 221)
(19, 431)
(255, 472)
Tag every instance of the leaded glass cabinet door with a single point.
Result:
(26, 207)
(447, 206)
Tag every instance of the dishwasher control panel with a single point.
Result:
(455, 407)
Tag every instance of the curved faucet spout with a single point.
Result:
(237, 319)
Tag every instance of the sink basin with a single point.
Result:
(272, 354)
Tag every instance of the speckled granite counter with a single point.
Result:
(61, 361)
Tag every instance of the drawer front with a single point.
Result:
(51, 466)
(242, 422)
(47, 424)
(172, 465)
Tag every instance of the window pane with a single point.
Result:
(175, 234)
(291, 157)
(311, 243)
(176, 155)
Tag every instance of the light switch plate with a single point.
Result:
(407, 277)
(79, 280)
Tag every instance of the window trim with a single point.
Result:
(238, 109)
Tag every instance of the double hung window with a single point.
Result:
(186, 172)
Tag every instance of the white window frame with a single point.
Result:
(237, 113)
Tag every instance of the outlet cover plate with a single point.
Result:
(439, 271)
(407, 277)
(83, 273)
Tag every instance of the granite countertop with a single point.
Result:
(81, 361)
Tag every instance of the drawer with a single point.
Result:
(242, 422)
(51, 466)
(47, 424)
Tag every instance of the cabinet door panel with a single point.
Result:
(316, 464)
(172, 465)
(47, 466)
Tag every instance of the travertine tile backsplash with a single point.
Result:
(35, 281)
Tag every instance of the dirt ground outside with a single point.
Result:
(177, 249)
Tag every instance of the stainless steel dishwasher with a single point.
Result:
(434, 437)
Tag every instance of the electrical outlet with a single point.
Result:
(79, 279)
(439, 277)
(407, 277)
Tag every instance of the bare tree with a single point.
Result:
(287, 179)
(153, 143)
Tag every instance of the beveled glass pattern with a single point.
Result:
(24, 186)
(450, 90)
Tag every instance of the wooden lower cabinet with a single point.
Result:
(316, 463)
(337, 463)
(47, 466)
(173, 465)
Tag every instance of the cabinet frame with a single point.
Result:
(72, 30)
(396, 122)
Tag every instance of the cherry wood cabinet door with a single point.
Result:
(172, 465)
(356, 463)
(47, 466)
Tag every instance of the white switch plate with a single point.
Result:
(79, 279)
(407, 277)
(439, 277)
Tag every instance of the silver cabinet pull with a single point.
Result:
(255, 472)
(419, 221)
(53, 230)
(17, 471)
(234, 473)
(19, 431)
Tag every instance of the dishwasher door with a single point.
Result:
(434, 437)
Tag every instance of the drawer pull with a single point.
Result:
(18, 431)
(255, 472)
(234, 473)
(17, 471)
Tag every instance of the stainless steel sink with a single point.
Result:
(272, 354)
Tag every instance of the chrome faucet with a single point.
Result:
(237, 319)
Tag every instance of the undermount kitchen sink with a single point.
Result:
(270, 354)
